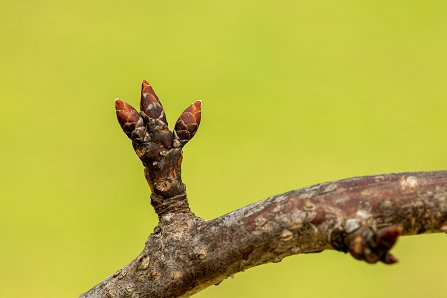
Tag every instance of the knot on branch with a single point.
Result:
(160, 149)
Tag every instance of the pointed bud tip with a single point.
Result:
(125, 112)
(119, 104)
(148, 97)
(198, 113)
(122, 105)
(147, 88)
(195, 107)
(198, 104)
(145, 83)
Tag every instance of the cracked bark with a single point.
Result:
(362, 216)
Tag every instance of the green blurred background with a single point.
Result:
(294, 93)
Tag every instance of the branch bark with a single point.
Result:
(185, 254)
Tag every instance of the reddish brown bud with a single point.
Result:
(387, 237)
(188, 123)
(372, 247)
(150, 104)
(127, 116)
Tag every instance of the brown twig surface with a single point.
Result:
(185, 254)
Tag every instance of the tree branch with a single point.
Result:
(185, 254)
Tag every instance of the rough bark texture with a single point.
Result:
(185, 254)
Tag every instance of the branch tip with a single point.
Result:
(153, 142)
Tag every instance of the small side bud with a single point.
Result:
(372, 247)
(127, 116)
(187, 124)
(150, 105)
(387, 237)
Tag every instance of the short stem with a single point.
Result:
(175, 204)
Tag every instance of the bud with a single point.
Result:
(150, 104)
(127, 116)
(188, 123)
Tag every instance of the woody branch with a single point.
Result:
(362, 216)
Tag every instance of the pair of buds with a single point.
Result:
(150, 124)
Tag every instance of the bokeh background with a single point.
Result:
(294, 93)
